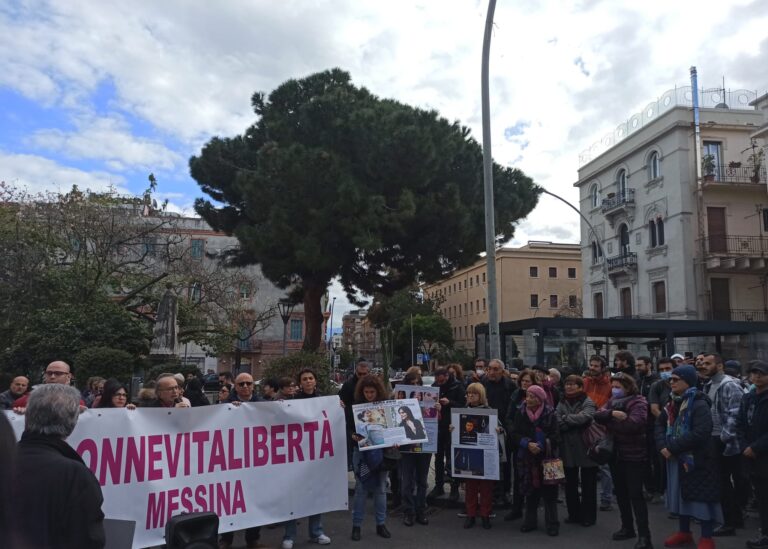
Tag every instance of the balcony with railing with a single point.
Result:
(735, 174)
(618, 203)
(622, 264)
(738, 253)
(740, 315)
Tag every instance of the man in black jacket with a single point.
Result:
(451, 396)
(752, 433)
(347, 396)
(499, 389)
(645, 380)
(56, 498)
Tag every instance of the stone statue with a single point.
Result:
(165, 332)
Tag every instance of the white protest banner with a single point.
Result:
(475, 443)
(427, 398)
(259, 463)
(389, 422)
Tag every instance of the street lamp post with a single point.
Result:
(285, 308)
(330, 335)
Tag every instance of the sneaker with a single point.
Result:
(287, 544)
(679, 539)
(322, 539)
(706, 543)
(758, 543)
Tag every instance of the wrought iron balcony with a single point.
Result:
(622, 263)
(749, 315)
(736, 174)
(619, 201)
(744, 246)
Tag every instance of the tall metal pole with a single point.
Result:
(413, 355)
(597, 241)
(490, 223)
(285, 339)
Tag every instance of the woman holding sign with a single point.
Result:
(370, 474)
(535, 435)
(414, 469)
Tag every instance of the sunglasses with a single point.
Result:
(245, 384)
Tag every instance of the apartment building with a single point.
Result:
(678, 224)
(360, 337)
(538, 279)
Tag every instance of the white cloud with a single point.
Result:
(37, 174)
(108, 139)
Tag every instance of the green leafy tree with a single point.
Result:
(334, 181)
(104, 362)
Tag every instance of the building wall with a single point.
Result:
(681, 263)
(464, 293)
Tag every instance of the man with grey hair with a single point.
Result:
(56, 498)
(498, 390)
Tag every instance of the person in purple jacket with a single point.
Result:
(625, 416)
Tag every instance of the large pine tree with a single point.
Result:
(334, 181)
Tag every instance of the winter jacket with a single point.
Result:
(518, 397)
(524, 431)
(726, 404)
(56, 498)
(453, 390)
(598, 389)
(629, 436)
(701, 482)
(301, 394)
(573, 417)
(499, 393)
(752, 431)
(7, 398)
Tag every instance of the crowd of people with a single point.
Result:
(689, 431)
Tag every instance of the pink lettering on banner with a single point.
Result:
(294, 442)
(311, 428)
(225, 498)
(217, 458)
(173, 455)
(326, 443)
(277, 443)
(112, 461)
(155, 456)
(260, 447)
(88, 446)
(234, 462)
(135, 460)
(200, 438)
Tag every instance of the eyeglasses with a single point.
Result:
(54, 373)
(245, 384)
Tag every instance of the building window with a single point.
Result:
(572, 301)
(483, 278)
(654, 168)
(534, 301)
(533, 272)
(553, 301)
(623, 239)
(553, 272)
(477, 279)
(471, 282)
(656, 232)
(659, 297)
(195, 293)
(483, 303)
(471, 308)
(712, 149)
(454, 311)
(626, 302)
(621, 183)
(594, 196)
(597, 255)
(571, 272)
(460, 331)
(296, 329)
(477, 305)
(598, 304)
(197, 247)
(245, 291)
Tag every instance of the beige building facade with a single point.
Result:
(538, 279)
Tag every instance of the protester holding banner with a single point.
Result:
(307, 381)
(114, 395)
(368, 466)
(535, 437)
(168, 393)
(244, 389)
(414, 469)
(478, 492)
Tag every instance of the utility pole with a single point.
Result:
(490, 222)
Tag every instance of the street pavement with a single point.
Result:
(445, 530)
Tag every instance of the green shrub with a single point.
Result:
(104, 362)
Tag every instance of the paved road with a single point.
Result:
(445, 531)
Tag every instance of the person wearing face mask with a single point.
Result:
(625, 417)
(526, 379)
(535, 436)
(658, 396)
(683, 433)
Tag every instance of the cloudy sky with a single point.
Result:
(99, 94)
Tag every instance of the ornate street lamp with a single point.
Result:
(285, 308)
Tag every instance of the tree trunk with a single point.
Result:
(313, 293)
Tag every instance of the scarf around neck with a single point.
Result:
(533, 415)
(679, 418)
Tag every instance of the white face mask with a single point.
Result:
(480, 372)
